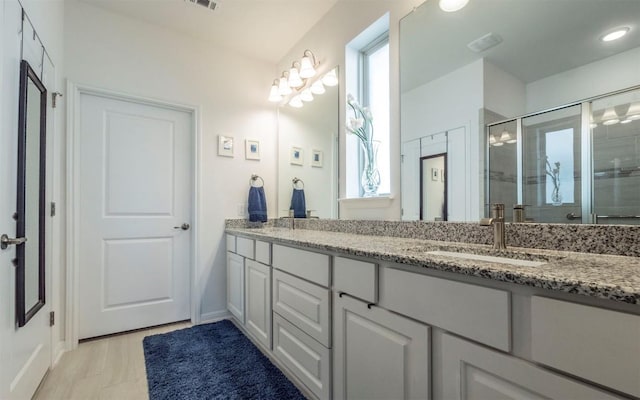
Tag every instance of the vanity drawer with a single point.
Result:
(307, 359)
(304, 304)
(586, 341)
(244, 247)
(263, 252)
(479, 313)
(356, 278)
(308, 265)
(231, 243)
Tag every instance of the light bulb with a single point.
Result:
(492, 140)
(505, 136)
(317, 87)
(610, 117)
(274, 95)
(330, 78)
(306, 95)
(634, 111)
(296, 102)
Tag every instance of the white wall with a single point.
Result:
(113, 52)
(600, 77)
(328, 39)
(503, 93)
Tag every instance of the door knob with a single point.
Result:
(184, 227)
(6, 241)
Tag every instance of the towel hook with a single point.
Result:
(296, 182)
(253, 180)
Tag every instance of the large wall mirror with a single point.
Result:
(496, 60)
(30, 255)
(308, 154)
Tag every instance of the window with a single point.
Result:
(374, 90)
(560, 165)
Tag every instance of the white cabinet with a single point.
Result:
(235, 286)
(258, 301)
(471, 372)
(378, 354)
(307, 359)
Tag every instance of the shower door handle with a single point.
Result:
(6, 241)
(184, 227)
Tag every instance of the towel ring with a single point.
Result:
(253, 180)
(297, 183)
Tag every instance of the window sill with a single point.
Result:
(383, 201)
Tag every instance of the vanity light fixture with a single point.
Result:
(306, 95)
(330, 78)
(452, 5)
(296, 102)
(610, 117)
(308, 65)
(274, 95)
(615, 35)
(633, 112)
(317, 87)
(295, 81)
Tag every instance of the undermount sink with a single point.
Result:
(478, 257)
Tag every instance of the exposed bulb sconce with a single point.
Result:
(274, 95)
(308, 65)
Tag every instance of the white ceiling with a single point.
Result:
(541, 37)
(264, 29)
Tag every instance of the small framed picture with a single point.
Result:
(225, 146)
(434, 174)
(251, 149)
(441, 175)
(316, 158)
(296, 156)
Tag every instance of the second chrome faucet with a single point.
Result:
(497, 220)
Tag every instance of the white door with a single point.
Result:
(135, 194)
(378, 354)
(25, 352)
(258, 301)
(235, 286)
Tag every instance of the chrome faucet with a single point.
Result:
(497, 220)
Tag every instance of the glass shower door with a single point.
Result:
(615, 132)
(551, 169)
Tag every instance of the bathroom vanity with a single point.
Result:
(349, 316)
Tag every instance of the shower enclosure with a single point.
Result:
(578, 163)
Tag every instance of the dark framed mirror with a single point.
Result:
(30, 215)
(433, 187)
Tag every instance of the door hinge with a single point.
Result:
(54, 97)
(52, 318)
(53, 208)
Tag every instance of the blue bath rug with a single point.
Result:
(212, 361)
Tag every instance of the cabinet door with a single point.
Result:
(470, 371)
(258, 301)
(378, 354)
(235, 286)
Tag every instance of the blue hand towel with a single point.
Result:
(257, 204)
(298, 204)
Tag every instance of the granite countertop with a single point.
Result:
(610, 277)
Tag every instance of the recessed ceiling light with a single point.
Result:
(617, 34)
(452, 5)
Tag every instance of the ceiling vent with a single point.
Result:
(211, 5)
(483, 43)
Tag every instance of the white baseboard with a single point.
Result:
(214, 316)
(59, 349)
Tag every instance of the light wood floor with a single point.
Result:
(107, 369)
